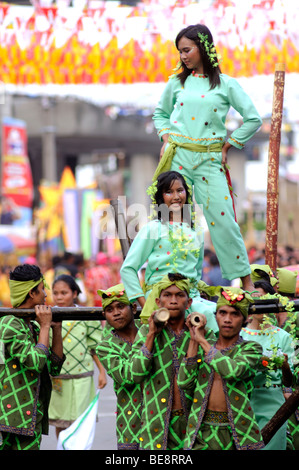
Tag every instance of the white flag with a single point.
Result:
(80, 435)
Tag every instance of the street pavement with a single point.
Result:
(105, 436)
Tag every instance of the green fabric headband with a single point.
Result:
(112, 294)
(182, 284)
(206, 289)
(235, 297)
(20, 289)
(287, 280)
(262, 271)
(232, 296)
(150, 304)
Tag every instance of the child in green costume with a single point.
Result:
(169, 244)
(289, 321)
(267, 395)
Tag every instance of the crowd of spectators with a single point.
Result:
(104, 269)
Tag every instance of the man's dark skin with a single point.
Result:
(121, 317)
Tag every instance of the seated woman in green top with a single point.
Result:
(168, 244)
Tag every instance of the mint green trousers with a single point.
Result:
(212, 193)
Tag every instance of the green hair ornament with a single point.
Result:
(210, 49)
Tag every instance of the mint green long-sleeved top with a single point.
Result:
(167, 248)
(194, 113)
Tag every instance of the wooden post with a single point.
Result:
(273, 168)
(120, 222)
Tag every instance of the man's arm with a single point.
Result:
(197, 334)
(44, 318)
(153, 331)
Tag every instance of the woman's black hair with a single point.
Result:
(266, 286)
(164, 183)
(69, 280)
(191, 32)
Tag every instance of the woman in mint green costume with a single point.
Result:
(190, 120)
(169, 244)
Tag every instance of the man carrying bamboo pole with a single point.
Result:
(25, 356)
(114, 353)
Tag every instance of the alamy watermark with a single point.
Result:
(128, 222)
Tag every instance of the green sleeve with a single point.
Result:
(243, 104)
(15, 336)
(138, 254)
(190, 366)
(115, 361)
(55, 364)
(242, 364)
(161, 116)
(141, 359)
(188, 372)
(94, 334)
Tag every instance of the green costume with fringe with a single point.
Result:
(237, 428)
(25, 385)
(236, 367)
(156, 371)
(114, 353)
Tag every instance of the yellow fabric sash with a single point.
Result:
(166, 160)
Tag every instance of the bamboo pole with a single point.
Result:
(273, 168)
(96, 313)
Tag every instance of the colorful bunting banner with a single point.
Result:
(113, 43)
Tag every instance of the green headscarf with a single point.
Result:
(204, 288)
(150, 304)
(287, 280)
(262, 271)
(112, 294)
(235, 297)
(20, 289)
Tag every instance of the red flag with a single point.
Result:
(16, 181)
